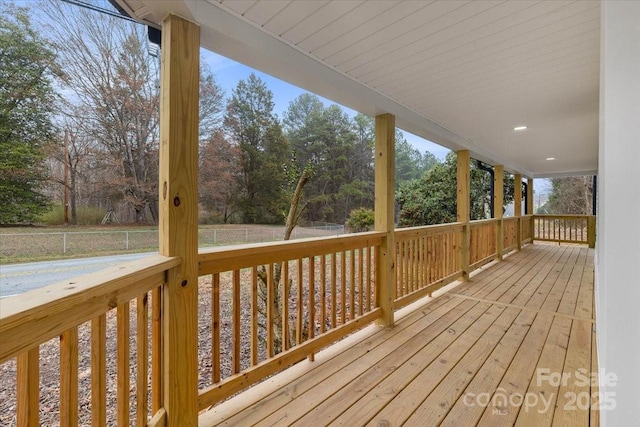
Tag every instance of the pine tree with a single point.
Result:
(26, 104)
(265, 152)
(432, 198)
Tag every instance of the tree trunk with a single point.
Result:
(282, 295)
(293, 215)
(72, 200)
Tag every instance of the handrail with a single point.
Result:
(215, 260)
(426, 229)
(563, 216)
(480, 222)
(45, 313)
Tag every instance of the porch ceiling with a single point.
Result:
(460, 73)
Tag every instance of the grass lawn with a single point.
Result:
(28, 244)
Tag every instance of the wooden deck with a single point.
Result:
(513, 346)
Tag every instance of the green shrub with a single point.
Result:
(360, 219)
(87, 215)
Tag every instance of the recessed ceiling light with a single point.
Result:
(520, 128)
(551, 158)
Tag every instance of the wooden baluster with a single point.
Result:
(343, 287)
(271, 311)
(334, 309)
(440, 256)
(406, 276)
(450, 253)
(370, 268)
(254, 316)
(299, 302)
(312, 301)
(123, 354)
(285, 306)
(374, 294)
(215, 327)
(352, 284)
(99, 371)
(360, 280)
(28, 387)
(398, 270)
(156, 350)
(236, 344)
(142, 358)
(69, 377)
(411, 265)
(323, 289)
(423, 261)
(416, 263)
(418, 272)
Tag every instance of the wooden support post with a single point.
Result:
(529, 196)
(384, 214)
(28, 387)
(517, 207)
(463, 197)
(179, 217)
(530, 205)
(498, 206)
(591, 231)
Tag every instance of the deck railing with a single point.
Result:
(66, 311)
(427, 258)
(262, 308)
(565, 229)
(284, 301)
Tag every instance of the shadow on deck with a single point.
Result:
(513, 346)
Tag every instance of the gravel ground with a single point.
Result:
(49, 355)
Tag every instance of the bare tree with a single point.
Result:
(570, 195)
(220, 176)
(108, 71)
(281, 295)
(71, 154)
(107, 67)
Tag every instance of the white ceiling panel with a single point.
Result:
(295, 12)
(263, 11)
(321, 18)
(239, 6)
(366, 37)
(360, 15)
(430, 19)
(460, 73)
(480, 47)
(441, 39)
(522, 52)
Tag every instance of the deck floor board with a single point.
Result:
(462, 358)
